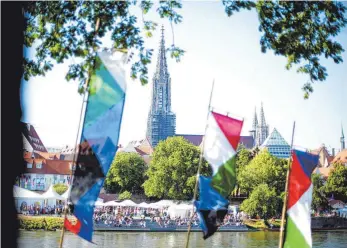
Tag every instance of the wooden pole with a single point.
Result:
(85, 93)
(199, 167)
(284, 209)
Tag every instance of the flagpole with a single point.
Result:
(199, 166)
(85, 93)
(284, 209)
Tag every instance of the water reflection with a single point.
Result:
(41, 239)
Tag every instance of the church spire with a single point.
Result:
(255, 119)
(161, 70)
(262, 116)
(342, 139)
(161, 121)
(263, 129)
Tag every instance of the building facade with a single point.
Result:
(161, 121)
(40, 173)
(277, 145)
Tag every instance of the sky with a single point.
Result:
(220, 48)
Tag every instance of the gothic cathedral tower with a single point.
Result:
(260, 130)
(161, 121)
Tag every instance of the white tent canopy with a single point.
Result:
(99, 204)
(51, 194)
(129, 203)
(181, 210)
(26, 197)
(153, 205)
(113, 204)
(165, 203)
(67, 193)
(24, 193)
(143, 205)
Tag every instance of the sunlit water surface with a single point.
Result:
(41, 239)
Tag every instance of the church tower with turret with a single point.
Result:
(161, 122)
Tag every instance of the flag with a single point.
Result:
(298, 226)
(99, 141)
(220, 145)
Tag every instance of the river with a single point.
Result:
(42, 239)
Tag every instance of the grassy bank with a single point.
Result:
(41, 223)
(260, 224)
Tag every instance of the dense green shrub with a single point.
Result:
(41, 222)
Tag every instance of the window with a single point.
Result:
(29, 166)
(38, 165)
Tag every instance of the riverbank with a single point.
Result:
(51, 223)
(47, 223)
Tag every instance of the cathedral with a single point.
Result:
(260, 130)
(161, 121)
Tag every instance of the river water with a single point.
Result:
(42, 239)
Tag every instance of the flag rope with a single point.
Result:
(85, 96)
(285, 200)
(199, 167)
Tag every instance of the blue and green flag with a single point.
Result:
(99, 141)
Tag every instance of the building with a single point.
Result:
(31, 140)
(341, 157)
(161, 121)
(41, 172)
(260, 130)
(325, 159)
(142, 147)
(342, 140)
(276, 145)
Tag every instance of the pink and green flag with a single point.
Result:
(221, 141)
(220, 145)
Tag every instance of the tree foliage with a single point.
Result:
(243, 157)
(60, 188)
(124, 195)
(65, 29)
(126, 173)
(173, 168)
(263, 201)
(301, 31)
(319, 198)
(337, 182)
(264, 169)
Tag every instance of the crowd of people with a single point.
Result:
(36, 209)
(132, 216)
(142, 217)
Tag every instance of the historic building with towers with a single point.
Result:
(161, 121)
(260, 130)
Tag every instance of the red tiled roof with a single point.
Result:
(145, 147)
(324, 171)
(61, 167)
(58, 167)
(140, 152)
(33, 138)
(341, 157)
